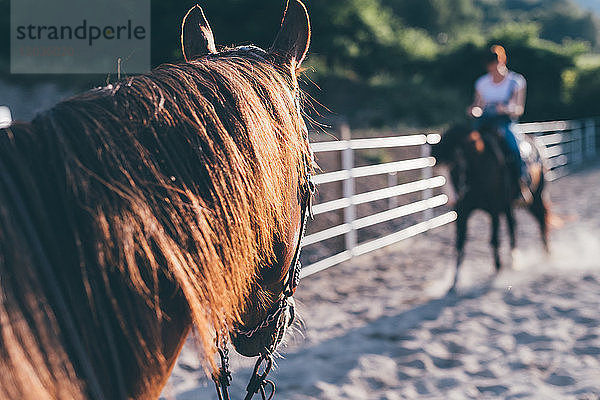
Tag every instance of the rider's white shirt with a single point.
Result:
(494, 93)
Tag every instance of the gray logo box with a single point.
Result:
(80, 36)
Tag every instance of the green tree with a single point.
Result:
(437, 16)
(558, 26)
(585, 94)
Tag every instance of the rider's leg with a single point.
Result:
(519, 163)
(513, 147)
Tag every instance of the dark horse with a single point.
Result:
(483, 179)
(134, 211)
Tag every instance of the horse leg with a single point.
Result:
(510, 222)
(539, 209)
(461, 236)
(495, 241)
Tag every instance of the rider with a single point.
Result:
(500, 99)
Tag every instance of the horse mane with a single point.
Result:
(165, 185)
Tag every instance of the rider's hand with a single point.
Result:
(502, 109)
(475, 111)
(512, 110)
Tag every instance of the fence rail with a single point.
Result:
(350, 199)
(565, 145)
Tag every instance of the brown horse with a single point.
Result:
(483, 179)
(134, 211)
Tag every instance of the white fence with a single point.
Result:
(350, 199)
(566, 144)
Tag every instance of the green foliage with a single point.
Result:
(382, 62)
(515, 33)
(437, 16)
(585, 93)
(426, 75)
(556, 26)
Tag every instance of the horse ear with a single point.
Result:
(292, 41)
(196, 36)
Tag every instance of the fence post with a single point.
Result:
(426, 173)
(348, 185)
(590, 138)
(392, 181)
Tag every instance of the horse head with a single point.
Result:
(460, 137)
(269, 308)
(452, 141)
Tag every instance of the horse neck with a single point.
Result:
(485, 172)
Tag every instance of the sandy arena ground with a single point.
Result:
(382, 327)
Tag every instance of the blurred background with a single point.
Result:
(407, 67)
(382, 63)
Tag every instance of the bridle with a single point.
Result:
(258, 381)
